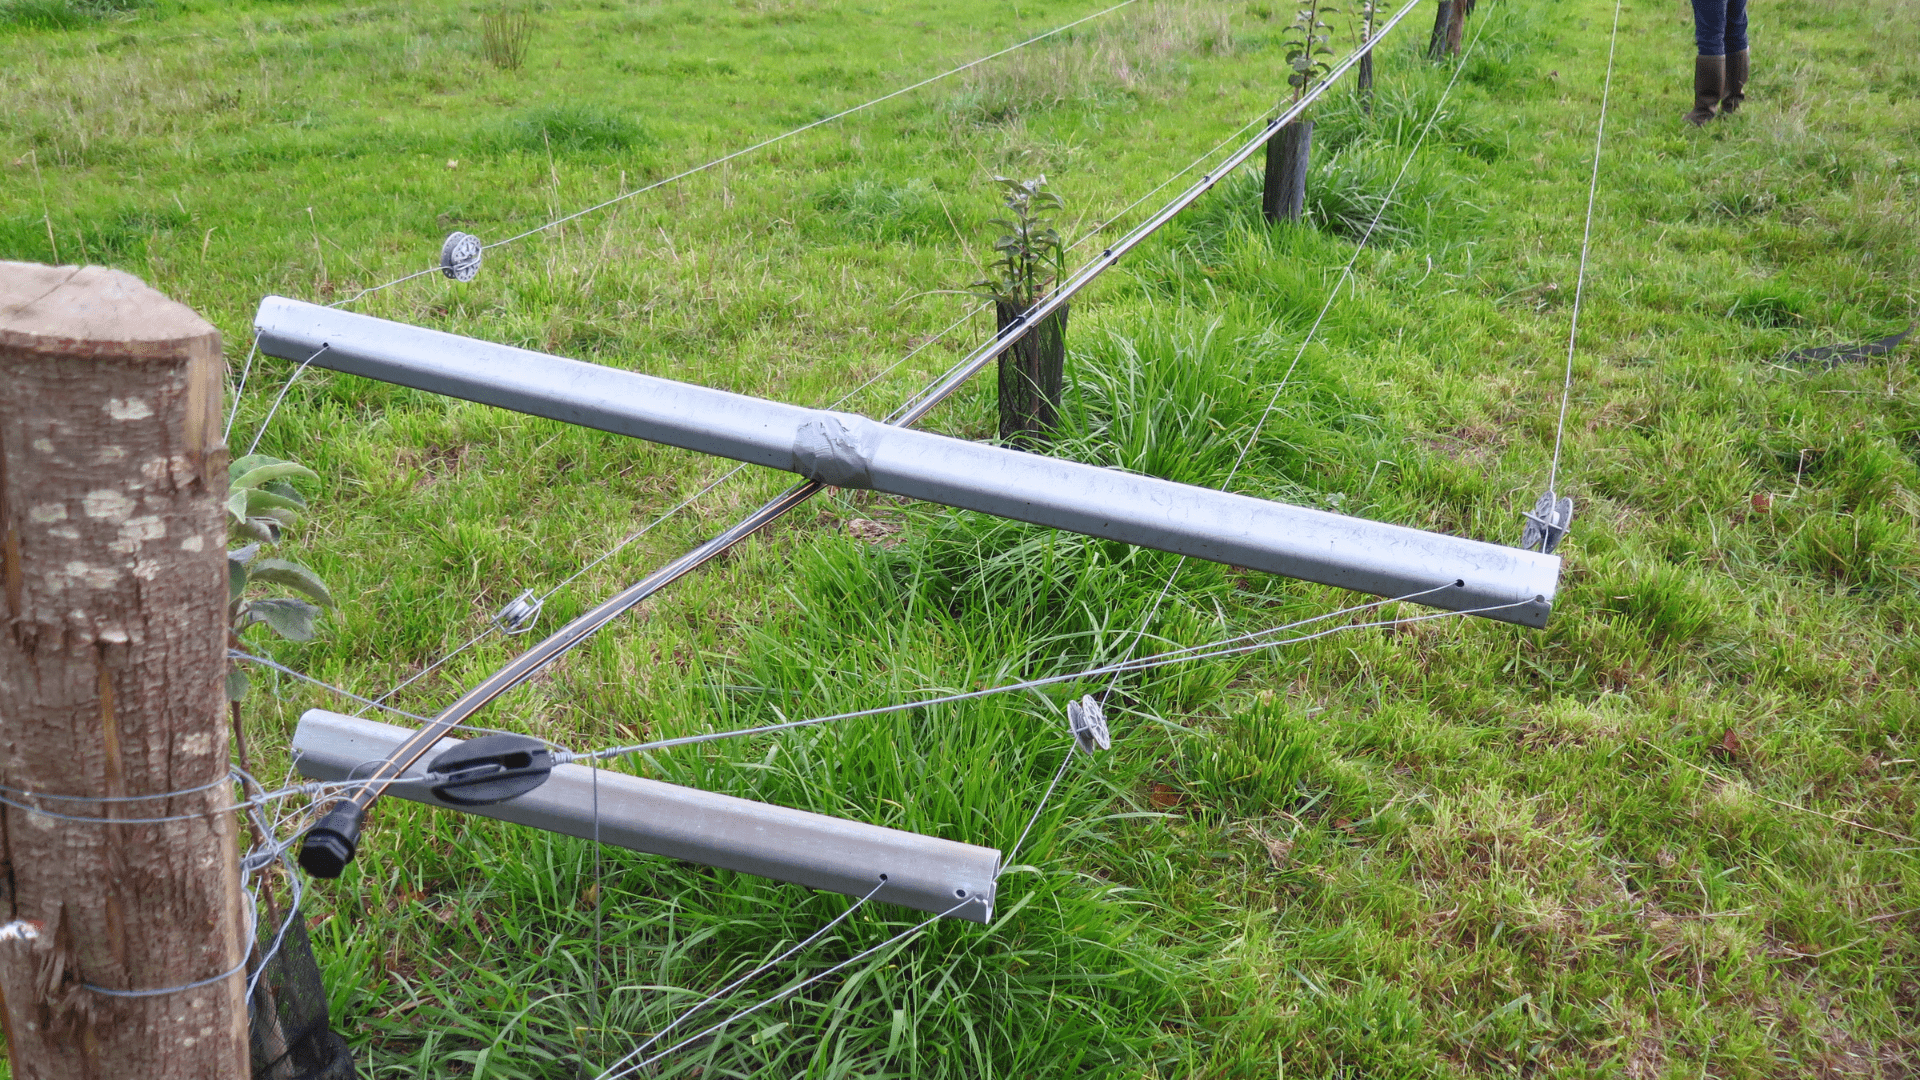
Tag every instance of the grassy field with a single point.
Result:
(1669, 836)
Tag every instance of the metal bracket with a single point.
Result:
(519, 615)
(1548, 523)
(460, 256)
(1089, 725)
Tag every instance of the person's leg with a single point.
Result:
(1710, 67)
(1710, 25)
(1736, 26)
(1736, 44)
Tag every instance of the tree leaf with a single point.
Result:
(278, 470)
(237, 682)
(285, 491)
(294, 576)
(260, 529)
(241, 466)
(260, 500)
(236, 575)
(291, 619)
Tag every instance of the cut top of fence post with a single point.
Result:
(82, 309)
(94, 312)
(78, 419)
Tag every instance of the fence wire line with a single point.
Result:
(748, 977)
(233, 409)
(261, 432)
(366, 703)
(613, 1074)
(312, 788)
(380, 702)
(764, 143)
(1072, 749)
(1225, 647)
(1586, 243)
(1346, 275)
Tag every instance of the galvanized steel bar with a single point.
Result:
(925, 873)
(851, 451)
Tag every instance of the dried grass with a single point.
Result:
(505, 35)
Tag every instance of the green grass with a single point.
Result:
(1451, 848)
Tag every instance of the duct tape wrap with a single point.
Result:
(836, 449)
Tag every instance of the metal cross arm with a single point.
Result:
(845, 450)
(925, 873)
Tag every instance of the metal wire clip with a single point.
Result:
(1547, 524)
(460, 256)
(1089, 724)
(519, 615)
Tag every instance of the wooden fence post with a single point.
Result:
(113, 476)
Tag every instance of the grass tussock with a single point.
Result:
(505, 36)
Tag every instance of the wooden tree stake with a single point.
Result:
(113, 474)
(1442, 28)
(1284, 196)
(1032, 375)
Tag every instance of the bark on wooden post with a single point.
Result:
(113, 474)
(1032, 372)
(1457, 24)
(1364, 82)
(1284, 196)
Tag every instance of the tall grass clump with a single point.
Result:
(1403, 112)
(1346, 191)
(506, 33)
(1361, 193)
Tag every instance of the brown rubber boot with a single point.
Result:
(1736, 82)
(1709, 86)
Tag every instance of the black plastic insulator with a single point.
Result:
(329, 845)
(490, 769)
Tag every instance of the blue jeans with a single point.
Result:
(1720, 26)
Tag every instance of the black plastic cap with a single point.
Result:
(329, 845)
